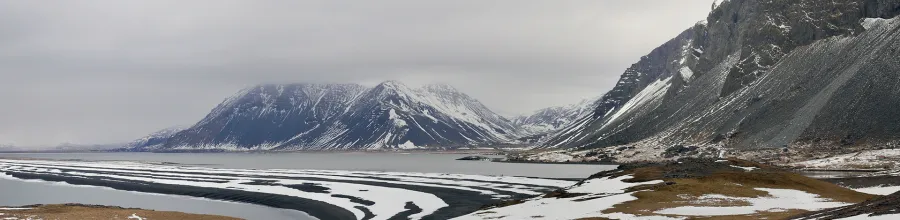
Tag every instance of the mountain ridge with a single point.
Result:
(390, 115)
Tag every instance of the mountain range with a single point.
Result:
(390, 115)
(540, 125)
(760, 74)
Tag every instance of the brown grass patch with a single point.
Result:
(645, 174)
(727, 182)
(785, 180)
(684, 192)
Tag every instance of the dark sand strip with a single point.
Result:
(354, 199)
(369, 214)
(411, 209)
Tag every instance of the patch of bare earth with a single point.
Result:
(78, 212)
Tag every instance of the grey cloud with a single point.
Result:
(99, 71)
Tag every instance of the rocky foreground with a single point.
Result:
(697, 189)
(79, 211)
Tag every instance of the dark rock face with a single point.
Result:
(344, 116)
(768, 30)
(662, 62)
(760, 74)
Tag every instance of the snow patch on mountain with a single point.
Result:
(718, 3)
(652, 92)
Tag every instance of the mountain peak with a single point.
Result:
(393, 86)
(391, 83)
(440, 87)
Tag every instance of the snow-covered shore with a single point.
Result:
(364, 194)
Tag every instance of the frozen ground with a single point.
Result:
(881, 190)
(684, 189)
(365, 194)
(602, 194)
(599, 195)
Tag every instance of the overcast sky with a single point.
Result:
(103, 71)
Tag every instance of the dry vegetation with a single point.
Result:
(686, 181)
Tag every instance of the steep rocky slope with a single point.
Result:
(760, 74)
(343, 117)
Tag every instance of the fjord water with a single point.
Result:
(389, 162)
(17, 193)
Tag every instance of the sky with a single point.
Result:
(109, 71)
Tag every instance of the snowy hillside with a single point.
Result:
(554, 118)
(390, 115)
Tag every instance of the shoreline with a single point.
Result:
(87, 211)
(317, 209)
(321, 211)
(434, 151)
(565, 163)
(476, 152)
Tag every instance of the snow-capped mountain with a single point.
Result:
(344, 116)
(551, 119)
(760, 74)
(155, 139)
